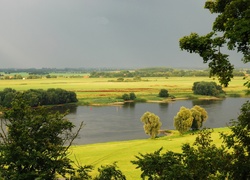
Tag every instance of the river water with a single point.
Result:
(116, 123)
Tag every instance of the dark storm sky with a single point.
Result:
(100, 33)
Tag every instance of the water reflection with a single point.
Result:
(207, 102)
(64, 108)
(115, 123)
(163, 106)
(129, 105)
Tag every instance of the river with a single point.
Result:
(117, 123)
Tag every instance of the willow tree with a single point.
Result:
(230, 29)
(199, 117)
(152, 124)
(183, 120)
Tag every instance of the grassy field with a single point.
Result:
(107, 90)
(123, 152)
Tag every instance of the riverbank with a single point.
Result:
(165, 100)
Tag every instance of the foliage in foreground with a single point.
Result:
(109, 172)
(34, 143)
(204, 160)
(106, 172)
(230, 29)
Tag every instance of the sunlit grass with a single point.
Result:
(107, 90)
(123, 152)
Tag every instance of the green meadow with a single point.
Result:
(123, 152)
(108, 90)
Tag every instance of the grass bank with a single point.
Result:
(123, 152)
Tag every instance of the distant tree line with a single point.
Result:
(108, 73)
(36, 97)
(155, 72)
(44, 71)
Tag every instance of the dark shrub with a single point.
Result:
(207, 88)
(125, 97)
(163, 93)
(132, 96)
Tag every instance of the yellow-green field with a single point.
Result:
(107, 90)
(123, 152)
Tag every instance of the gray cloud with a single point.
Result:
(100, 33)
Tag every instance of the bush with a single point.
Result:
(125, 97)
(130, 96)
(163, 93)
(207, 88)
(120, 79)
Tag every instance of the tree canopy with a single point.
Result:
(183, 120)
(34, 143)
(231, 28)
(187, 119)
(199, 116)
(207, 88)
(36, 97)
(152, 124)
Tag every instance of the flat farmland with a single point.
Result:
(109, 90)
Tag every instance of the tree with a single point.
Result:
(37, 97)
(161, 166)
(125, 97)
(163, 93)
(35, 144)
(132, 96)
(231, 28)
(207, 88)
(238, 141)
(183, 120)
(109, 172)
(7, 96)
(152, 124)
(199, 116)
